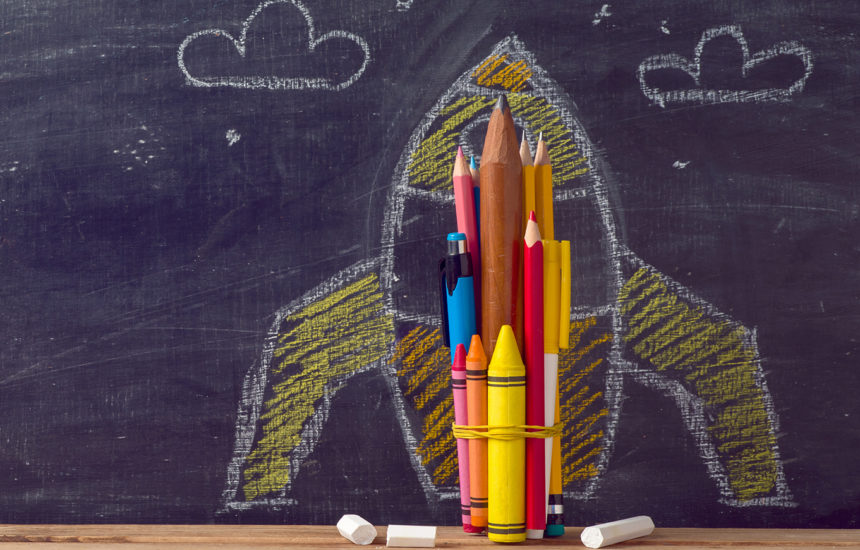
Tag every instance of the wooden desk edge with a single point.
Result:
(151, 537)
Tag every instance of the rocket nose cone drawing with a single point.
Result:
(421, 211)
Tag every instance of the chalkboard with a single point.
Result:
(221, 220)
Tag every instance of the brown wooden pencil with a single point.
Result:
(501, 229)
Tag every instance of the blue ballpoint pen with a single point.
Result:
(457, 293)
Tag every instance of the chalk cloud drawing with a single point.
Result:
(404, 5)
(273, 82)
(637, 325)
(673, 61)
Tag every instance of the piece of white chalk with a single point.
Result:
(411, 536)
(356, 529)
(598, 536)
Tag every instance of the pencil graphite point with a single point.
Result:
(502, 103)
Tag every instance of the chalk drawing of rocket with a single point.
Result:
(629, 324)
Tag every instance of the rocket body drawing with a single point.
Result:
(629, 324)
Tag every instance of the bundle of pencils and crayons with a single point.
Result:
(505, 295)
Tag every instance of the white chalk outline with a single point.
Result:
(694, 69)
(594, 189)
(273, 82)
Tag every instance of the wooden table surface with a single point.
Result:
(228, 537)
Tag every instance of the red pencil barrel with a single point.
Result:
(534, 348)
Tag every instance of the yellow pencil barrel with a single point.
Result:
(543, 200)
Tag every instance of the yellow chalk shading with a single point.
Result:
(496, 71)
(430, 166)
(326, 340)
(583, 408)
(713, 358)
(424, 374)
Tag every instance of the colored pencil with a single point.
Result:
(501, 228)
(528, 179)
(543, 191)
(467, 223)
(533, 336)
(476, 187)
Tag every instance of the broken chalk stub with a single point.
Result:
(356, 529)
(411, 536)
(598, 536)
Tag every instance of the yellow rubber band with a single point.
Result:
(505, 433)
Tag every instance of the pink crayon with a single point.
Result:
(458, 381)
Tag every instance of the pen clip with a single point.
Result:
(443, 299)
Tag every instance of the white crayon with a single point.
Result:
(598, 536)
(356, 529)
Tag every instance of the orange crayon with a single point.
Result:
(476, 394)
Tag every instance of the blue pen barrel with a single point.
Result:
(457, 287)
(461, 326)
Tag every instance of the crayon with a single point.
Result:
(458, 383)
(506, 400)
(476, 394)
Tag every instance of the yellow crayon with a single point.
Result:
(506, 406)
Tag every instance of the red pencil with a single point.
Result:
(533, 343)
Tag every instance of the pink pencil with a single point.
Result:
(458, 381)
(533, 343)
(467, 222)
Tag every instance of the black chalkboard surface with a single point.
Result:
(221, 220)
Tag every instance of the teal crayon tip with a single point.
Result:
(472, 164)
(554, 531)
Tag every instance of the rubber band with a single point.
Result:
(505, 432)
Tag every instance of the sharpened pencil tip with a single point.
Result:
(502, 103)
(459, 152)
(472, 164)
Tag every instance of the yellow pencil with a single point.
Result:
(506, 406)
(543, 191)
(528, 179)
